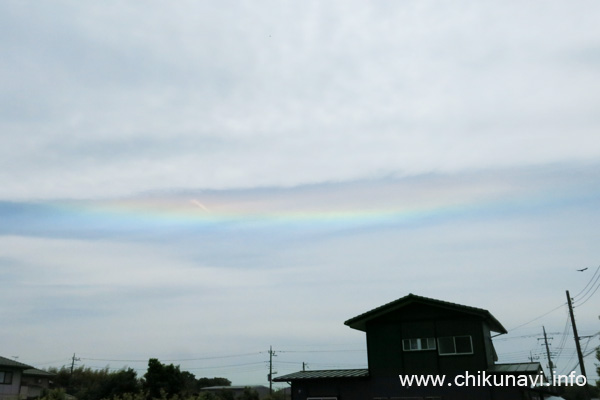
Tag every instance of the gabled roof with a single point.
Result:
(7, 362)
(324, 374)
(360, 322)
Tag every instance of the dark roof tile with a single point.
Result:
(7, 362)
(324, 374)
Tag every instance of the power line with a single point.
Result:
(524, 336)
(229, 366)
(175, 359)
(564, 336)
(591, 295)
(535, 319)
(588, 284)
(319, 351)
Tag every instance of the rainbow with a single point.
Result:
(346, 206)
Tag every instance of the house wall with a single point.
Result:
(383, 388)
(338, 388)
(384, 342)
(490, 352)
(34, 386)
(11, 391)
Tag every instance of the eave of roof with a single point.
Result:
(37, 372)
(359, 322)
(7, 362)
(524, 368)
(324, 374)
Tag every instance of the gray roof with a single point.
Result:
(324, 374)
(37, 372)
(7, 362)
(360, 322)
(523, 368)
(234, 387)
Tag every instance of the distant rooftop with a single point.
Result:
(527, 368)
(324, 374)
(233, 387)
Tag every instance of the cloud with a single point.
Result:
(113, 100)
(348, 152)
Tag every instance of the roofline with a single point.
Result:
(359, 322)
(8, 363)
(356, 373)
(37, 372)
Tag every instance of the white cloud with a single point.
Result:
(479, 104)
(116, 99)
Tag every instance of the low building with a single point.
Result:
(418, 336)
(11, 375)
(21, 381)
(35, 382)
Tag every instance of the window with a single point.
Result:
(5, 378)
(451, 345)
(418, 344)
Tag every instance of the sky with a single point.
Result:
(198, 181)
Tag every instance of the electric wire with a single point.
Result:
(536, 318)
(320, 351)
(588, 284)
(563, 340)
(175, 359)
(591, 295)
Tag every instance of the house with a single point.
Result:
(35, 382)
(417, 336)
(11, 374)
(21, 381)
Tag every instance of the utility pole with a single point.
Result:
(577, 346)
(271, 354)
(550, 365)
(72, 367)
(303, 366)
(73, 363)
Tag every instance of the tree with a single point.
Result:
(88, 384)
(190, 384)
(598, 365)
(54, 394)
(119, 383)
(83, 383)
(206, 382)
(249, 394)
(279, 394)
(163, 378)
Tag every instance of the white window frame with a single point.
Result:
(409, 345)
(455, 353)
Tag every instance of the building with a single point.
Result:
(21, 381)
(418, 336)
(35, 382)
